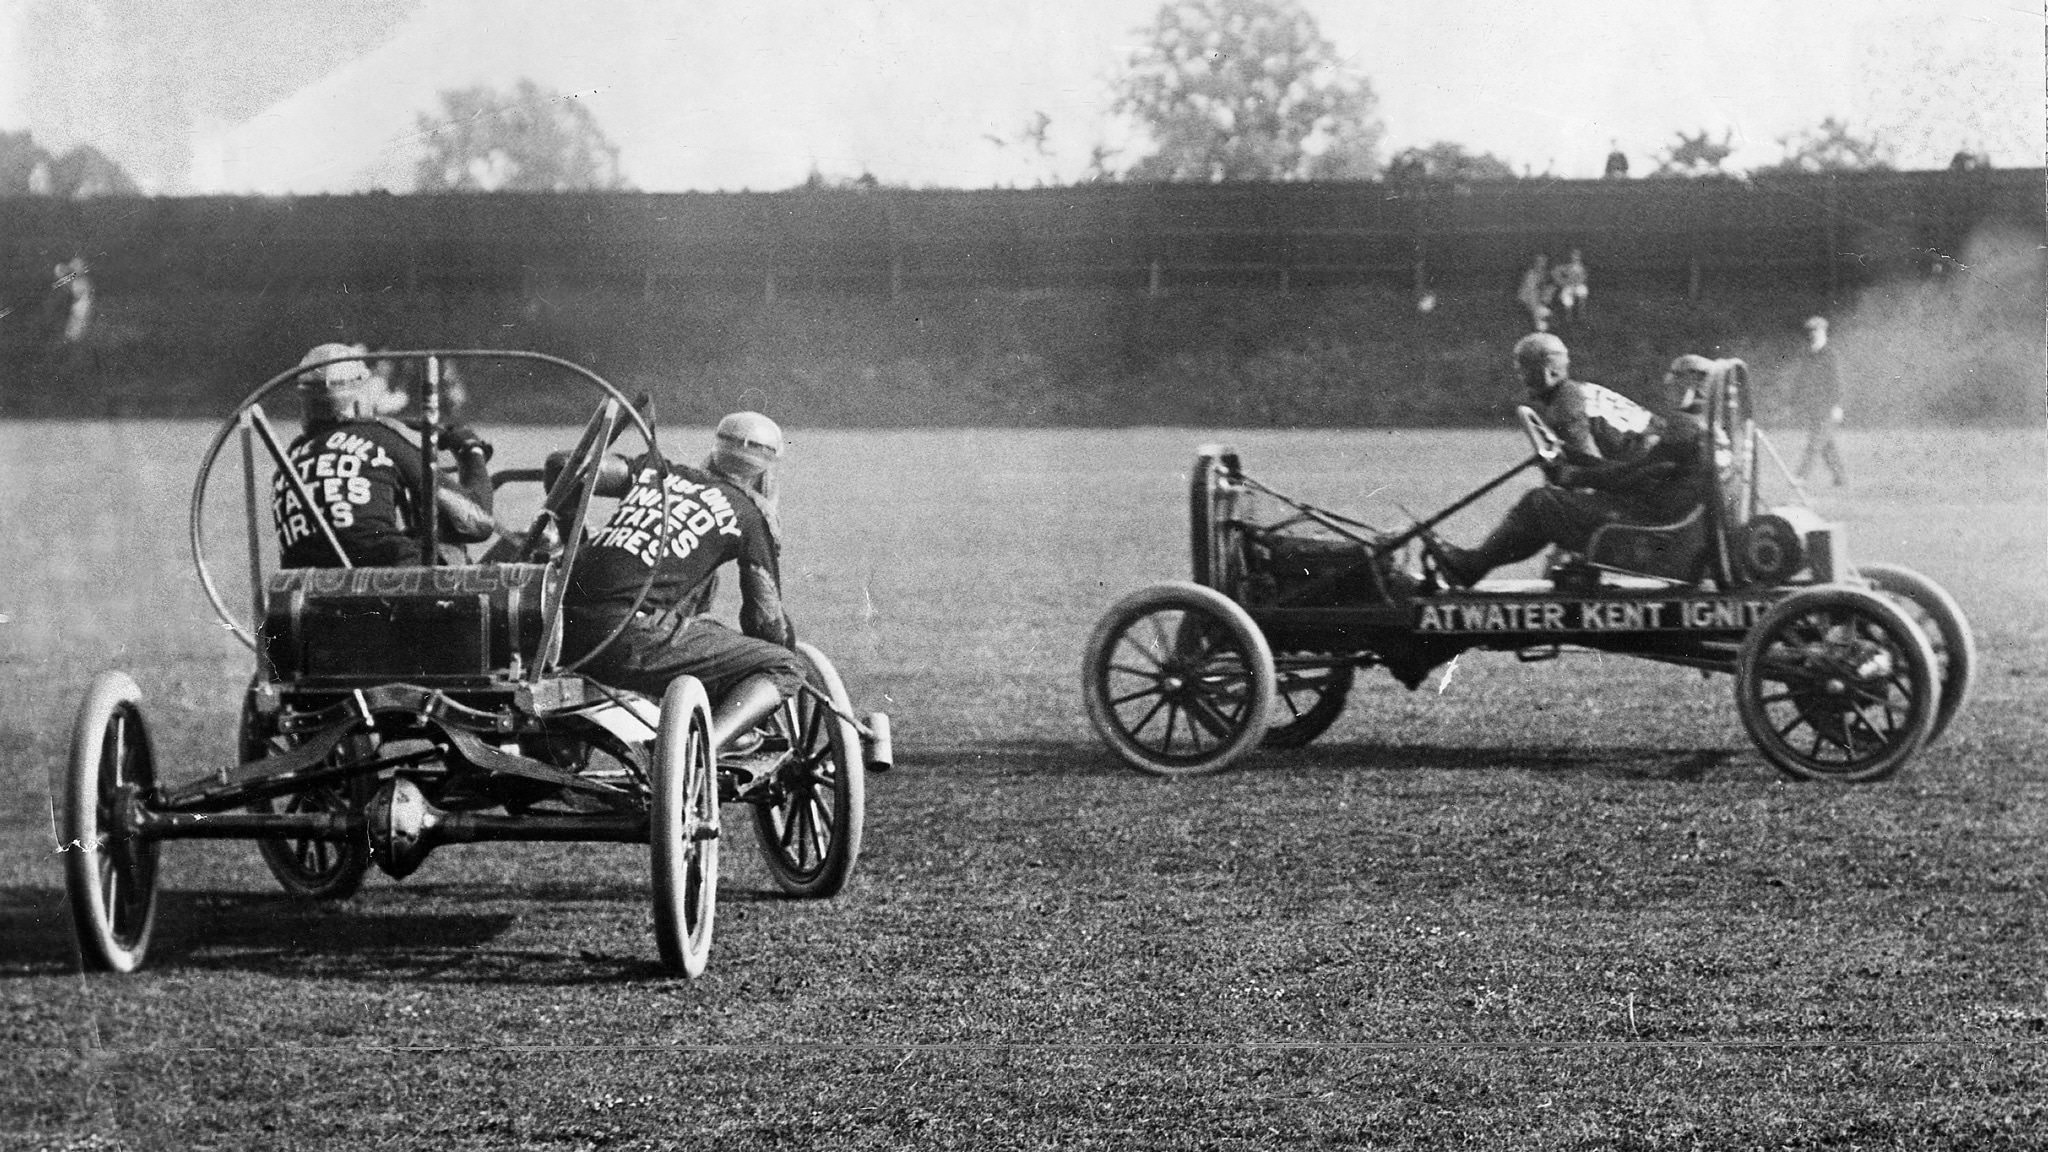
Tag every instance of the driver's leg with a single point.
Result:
(746, 678)
(1543, 516)
(747, 703)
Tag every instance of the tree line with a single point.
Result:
(1219, 91)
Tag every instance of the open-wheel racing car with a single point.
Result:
(396, 709)
(1842, 672)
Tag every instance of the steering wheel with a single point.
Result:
(1542, 440)
(568, 499)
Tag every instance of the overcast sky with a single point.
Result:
(296, 96)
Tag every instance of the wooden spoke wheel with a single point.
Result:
(1311, 695)
(311, 869)
(1178, 680)
(109, 873)
(809, 826)
(1939, 616)
(1836, 683)
(683, 828)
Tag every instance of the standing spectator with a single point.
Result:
(1535, 292)
(1617, 162)
(1570, 280)
(75, 276)
(1817, 394)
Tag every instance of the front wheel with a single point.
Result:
(683, 828)
(1178, 679)
(109, 873)
(311, 869)
(1936, 612)
(1836, 683)
(810, 826)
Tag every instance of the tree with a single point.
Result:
(1831, 148)
(1445, 160)
(29, 169)
(1696, 155)
(531, 140)
(20, 156)
(85, 172)
(1247, 90)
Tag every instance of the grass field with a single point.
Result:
(1552, 905)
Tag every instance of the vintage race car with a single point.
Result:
(393, 710)
(1842, 671)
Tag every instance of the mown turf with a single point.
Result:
(1551, 905)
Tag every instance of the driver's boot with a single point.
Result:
(1514, 539)
(1459, 567)
(749, 703)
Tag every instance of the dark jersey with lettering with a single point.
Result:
(709, 523)
(364, 477)
(1597, 423)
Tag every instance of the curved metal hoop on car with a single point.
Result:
(246, 634)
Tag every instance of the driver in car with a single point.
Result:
(711, 521)
(361, 468)
(1621, 464)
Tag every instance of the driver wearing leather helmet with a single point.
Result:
(1621, 464)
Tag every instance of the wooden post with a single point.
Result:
(1157, 279)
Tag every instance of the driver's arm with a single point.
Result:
(1567, 417)
(761, 612)
(1647, 467)
(465, 499)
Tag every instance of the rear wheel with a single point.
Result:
(109, 873)
(1178, 680)
(1311, 693)
(683, 828)
(1836, 683)
(1939, 616)
(810, 828)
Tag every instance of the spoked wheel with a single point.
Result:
(1178, 680)
(1939, 616)
(1836, 683)
(109, 874)
(684, 829)
(1312, 691)
(310, 869)
(810, 827)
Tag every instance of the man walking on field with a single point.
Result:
(1817, 392)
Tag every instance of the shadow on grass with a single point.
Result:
(1068, 759)
(275, 935)
(1671, 764)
